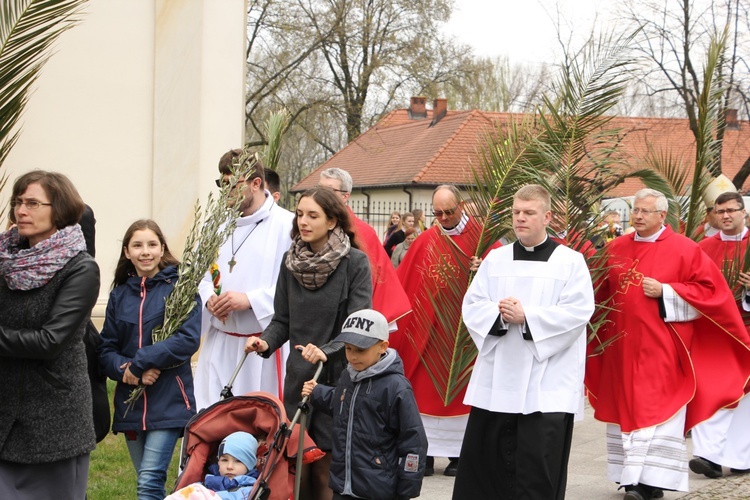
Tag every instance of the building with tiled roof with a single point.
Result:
(411, 151)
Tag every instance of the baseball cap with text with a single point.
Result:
(364, 329)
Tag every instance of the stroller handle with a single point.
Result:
(226, 392)
(301, 412)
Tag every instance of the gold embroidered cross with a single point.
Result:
(629, 277)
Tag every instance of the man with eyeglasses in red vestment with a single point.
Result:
(724, 439)
(432, 259)
(674, 351)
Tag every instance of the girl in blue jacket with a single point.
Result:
(146, 274)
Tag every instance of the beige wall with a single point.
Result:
(136, 106)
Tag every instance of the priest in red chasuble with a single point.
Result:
(673, 352)
(388, 296)
(443, 252)
(724, 439)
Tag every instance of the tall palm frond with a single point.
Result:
(275, 127)
(28, 28)
(566, 147)
(707, 144)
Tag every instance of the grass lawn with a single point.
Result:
(111, 475)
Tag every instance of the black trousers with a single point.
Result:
(513, 456)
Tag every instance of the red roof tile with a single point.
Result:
(399, 151)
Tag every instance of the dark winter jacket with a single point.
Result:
(380, 446)
(134, 309)
(45, 412)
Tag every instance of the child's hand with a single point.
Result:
(128, 377)
(308, 387)
(150, 376)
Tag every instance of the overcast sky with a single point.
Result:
(525, 30)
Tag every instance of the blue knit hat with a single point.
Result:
(242, 446)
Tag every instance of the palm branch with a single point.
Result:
(275, 125)
(28, 29)
(664, 172)
(567, 148)
(707, 145)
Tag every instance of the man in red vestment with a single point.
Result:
(430, 259)
(388, 296)
(724, 438)
(673, 351)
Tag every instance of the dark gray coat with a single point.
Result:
(303, 316)
(45, 415)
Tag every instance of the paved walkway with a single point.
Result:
(588, 470)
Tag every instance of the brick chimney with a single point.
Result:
(418, 108)
(731, 119)
(439, 109)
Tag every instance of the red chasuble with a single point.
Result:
(654, 368)
(422, 272)
(388, 296)
(727, 254)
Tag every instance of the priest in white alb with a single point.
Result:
(526, 310)
(239, 299)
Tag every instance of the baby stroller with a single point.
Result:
(260, 414)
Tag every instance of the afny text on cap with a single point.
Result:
(364, 329)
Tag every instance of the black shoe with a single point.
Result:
(429, 469)
(452, 468)
(706, 467)
(739, 471)
(641, 492)
(657, 493)
(634, 493)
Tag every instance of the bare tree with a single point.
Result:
(675, 37)
(494, 84)
(337, 66)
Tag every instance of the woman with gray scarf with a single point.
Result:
(49, 285)
(324, 278)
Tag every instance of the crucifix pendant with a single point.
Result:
(231, 264)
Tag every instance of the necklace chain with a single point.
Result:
(233, 262)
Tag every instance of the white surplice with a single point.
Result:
(513, 375)
(257, 247)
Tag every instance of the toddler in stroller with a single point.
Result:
(232, 478)
(263, 417)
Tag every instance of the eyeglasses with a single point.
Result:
(643, 211)
(729, 211)
(30, 204)
(449, 212)
(225, 182)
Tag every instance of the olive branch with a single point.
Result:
(211, 228)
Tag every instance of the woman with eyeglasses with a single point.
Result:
(323, 280)
(49, 285)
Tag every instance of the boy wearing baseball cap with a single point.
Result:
(379, 446)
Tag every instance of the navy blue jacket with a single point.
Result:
(134, 309)
(379, 443)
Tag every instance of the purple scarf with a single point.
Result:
(31, 268)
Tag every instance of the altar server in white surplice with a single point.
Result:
(526, 310)
(249, 263)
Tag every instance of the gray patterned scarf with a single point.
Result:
(313, 269)
(31, 268)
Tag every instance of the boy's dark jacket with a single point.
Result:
(376, 426)
(134, 309)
